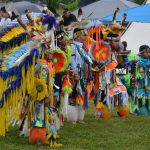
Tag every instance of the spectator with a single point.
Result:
(0, 15)
(68, 17)
(5, 20)
(80, 14)
(125, 47)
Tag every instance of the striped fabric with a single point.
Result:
(25, 19)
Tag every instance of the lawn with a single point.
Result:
(131, 133)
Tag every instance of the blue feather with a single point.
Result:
(16, 70)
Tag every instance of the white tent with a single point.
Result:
(9, 6)
(136, 35)
(21, 6)
(25, 19)
(104, 8)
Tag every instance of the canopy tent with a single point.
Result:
(25, 19)
(20, 7)
(136, 35)
(137, 14)
(9, 6)
(103, 8)
(23, 5)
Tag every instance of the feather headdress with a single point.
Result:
(80, 15)
(50, 20)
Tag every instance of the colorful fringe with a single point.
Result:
(66, 86)
(15, 82)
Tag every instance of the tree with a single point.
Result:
(138, 1)
(86, 2)
(71, 4)
(53, 5)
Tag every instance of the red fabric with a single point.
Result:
(37, 135)
(106, 115)
(86, 47)
(111, 66)
(123, 112)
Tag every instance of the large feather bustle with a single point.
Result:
(80, 25)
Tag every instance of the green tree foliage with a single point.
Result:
(138, 1)
(73, 5)
(53, 5)
(86, 2)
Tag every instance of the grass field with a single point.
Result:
(131, 133)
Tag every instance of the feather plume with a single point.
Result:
(115, 16)
(123, 19)
(80, 14)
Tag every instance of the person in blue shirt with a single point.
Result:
(143, 79)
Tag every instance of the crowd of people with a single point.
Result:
(77, 62)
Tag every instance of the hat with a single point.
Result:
(143, 48)
(115, 29)
(50, 20)
(113, 32)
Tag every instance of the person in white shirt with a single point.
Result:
(5, 18)
(0, 14)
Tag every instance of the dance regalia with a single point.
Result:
(143, 86)
(110, 92)
(137, 82)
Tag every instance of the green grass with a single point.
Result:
(131, 133)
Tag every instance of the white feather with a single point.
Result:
(75, 113)
(25, 131)
(72, 113)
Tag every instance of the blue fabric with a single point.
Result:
(52, 128)
(136, 14)
(143, 111)
(144, 71)
(144, 62)
(17, 54)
